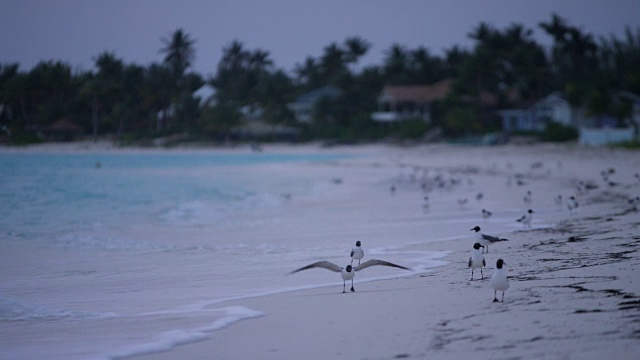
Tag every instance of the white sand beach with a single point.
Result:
(574, 294)
(574, 285)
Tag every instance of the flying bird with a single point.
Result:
(526, 218)
(477, 260)
(499, 281)
(357, 253)
(486, 240)
(348, 272)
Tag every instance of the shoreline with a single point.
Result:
(557, 312)
(574, 291)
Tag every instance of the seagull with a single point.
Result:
(527, 198)
(526, 218)
(499, 280)
(559, 201)
(486, 240)
(357, 253)
(634, 202)
(477, 260)
(348, 272)
(486, 214)
(479, 196)
(425, 205)
(462, 202)
(572, 204)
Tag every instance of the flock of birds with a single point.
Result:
(499, 280)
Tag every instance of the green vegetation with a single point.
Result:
(555, 132)
(136, 104)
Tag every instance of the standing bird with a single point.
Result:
(527, 198)
(348, 272)
(559, 201)
(526, 218)
(486, 240)
(572, 204)
(357, 253)
(477, 260)
(486, 214)
(499, 280)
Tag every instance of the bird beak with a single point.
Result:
(481, 245)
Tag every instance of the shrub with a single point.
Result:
(556, 132)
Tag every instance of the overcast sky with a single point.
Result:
(76, 31)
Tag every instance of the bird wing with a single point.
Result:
(484, 263)
(470, 261)
(521, 218)
(374, 262)
(492, 238)
(320, 264)
(352, 251)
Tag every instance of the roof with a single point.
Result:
(313, 96)
(417, 93)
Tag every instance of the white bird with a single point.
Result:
(477, 260)
(348, 272)
(572, 204)
(527, 198)
(499, 280)
(357, 253)
(486, 214)
(559, 201)
(526, 218)
(486, 240)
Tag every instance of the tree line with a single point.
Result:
(131, 102)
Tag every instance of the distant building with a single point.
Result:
(302, 107)
(597, 129)
(533, 117)
(401, 102)
(205, 95)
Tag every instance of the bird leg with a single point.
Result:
(352, 289)
(344, 285)
(471, 273)
(495, 295)
(481, 273)
(503, 296)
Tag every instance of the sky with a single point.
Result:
(76, 31)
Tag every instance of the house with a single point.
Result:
(401, 102)
(302, 107)
(604, 129)
(533, 117)
(205, 95)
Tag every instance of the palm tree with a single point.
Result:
(356, 47)
(332, 61)
(179, 52)
(396, 64)
(308, 73)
